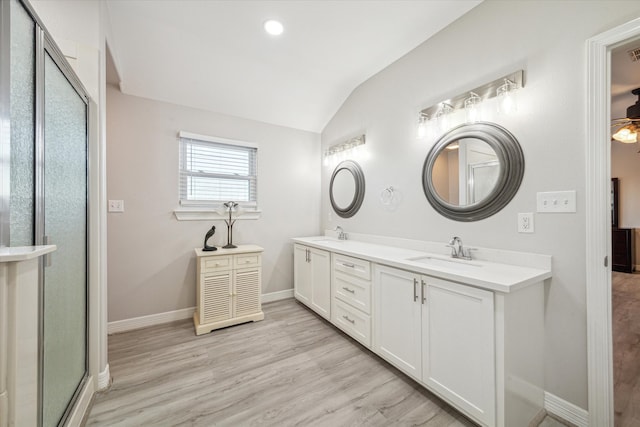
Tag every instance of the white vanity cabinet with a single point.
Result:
(441, 333)
(312, 279)
(470, 332)
(397, 319)
(458, 346)
(229, 287)
(351, 304)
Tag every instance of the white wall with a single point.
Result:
(547, 40)
(151, 259)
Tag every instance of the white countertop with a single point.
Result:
(24, 253)
(493, 276)
(241, 249)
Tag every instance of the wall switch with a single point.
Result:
(116, 205)
(556, 201)
(525, 222)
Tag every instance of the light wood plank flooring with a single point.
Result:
(625, 290)
(291, 369)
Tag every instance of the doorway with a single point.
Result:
(598, 220)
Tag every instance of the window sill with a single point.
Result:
(203, 214)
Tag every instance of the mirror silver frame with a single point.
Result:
(358, 195)
(511, 160)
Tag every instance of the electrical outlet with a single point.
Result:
(116, 205)
(525, 222)
(556, 201)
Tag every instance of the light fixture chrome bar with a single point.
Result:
(347, 145)
(486, 91)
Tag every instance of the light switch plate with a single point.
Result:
(556, 201)
(525, 222)
(116, 205)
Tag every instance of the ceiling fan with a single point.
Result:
(630, 125)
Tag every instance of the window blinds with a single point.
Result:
(213, 172)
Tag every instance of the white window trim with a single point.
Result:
(201, 211)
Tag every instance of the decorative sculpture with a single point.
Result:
(210, 233)
(230, 207)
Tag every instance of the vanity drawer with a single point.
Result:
(215, 263)
(352, 321)
(353, 291)
(353, 266)
(247, 260)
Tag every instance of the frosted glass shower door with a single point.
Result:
(65, 225)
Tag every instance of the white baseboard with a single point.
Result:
(171, 316)
(277, 296)
(104, 378)
(565, 410)
(150, 320)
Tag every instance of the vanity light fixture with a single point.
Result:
(472, 107)
(504, 88)
(343, 150)
(628, 133)
(273, 27)
(506, 97)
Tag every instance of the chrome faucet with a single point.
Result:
(457, 250)
(341, 234)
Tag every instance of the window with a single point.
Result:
(216, 170)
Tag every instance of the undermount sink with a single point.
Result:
(458, 264)
(328, 239)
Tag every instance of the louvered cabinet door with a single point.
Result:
(229, 288)
(216, 298)
(246, 292)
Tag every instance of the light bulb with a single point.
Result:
(472, 107)
(627, 135)
(506, 97)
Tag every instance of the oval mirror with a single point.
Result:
(473, 171)
(346, 189)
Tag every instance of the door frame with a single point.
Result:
(598, 220)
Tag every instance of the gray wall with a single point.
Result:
(547, 40)
(150, 253)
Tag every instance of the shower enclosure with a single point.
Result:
(43, 196)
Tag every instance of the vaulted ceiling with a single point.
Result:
(214, 54)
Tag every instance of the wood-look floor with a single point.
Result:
(626, 348)
(291, 369)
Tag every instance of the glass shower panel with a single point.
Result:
(65, 210)
(22, 101)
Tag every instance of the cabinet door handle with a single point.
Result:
(348, 264)
(424, 299)
(415, 290)
(348, 290)
(349, 320)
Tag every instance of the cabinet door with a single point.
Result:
(246, 283)
(397, 314)
(216, 293)
(321, 282)
(458, 346)
(302, 274)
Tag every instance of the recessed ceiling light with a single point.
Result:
(273, 27)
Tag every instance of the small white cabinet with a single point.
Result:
(229, 283)
(312, 279)
(441, 333)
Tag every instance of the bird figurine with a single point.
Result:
(210, 233)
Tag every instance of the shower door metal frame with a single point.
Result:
(44, 45)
